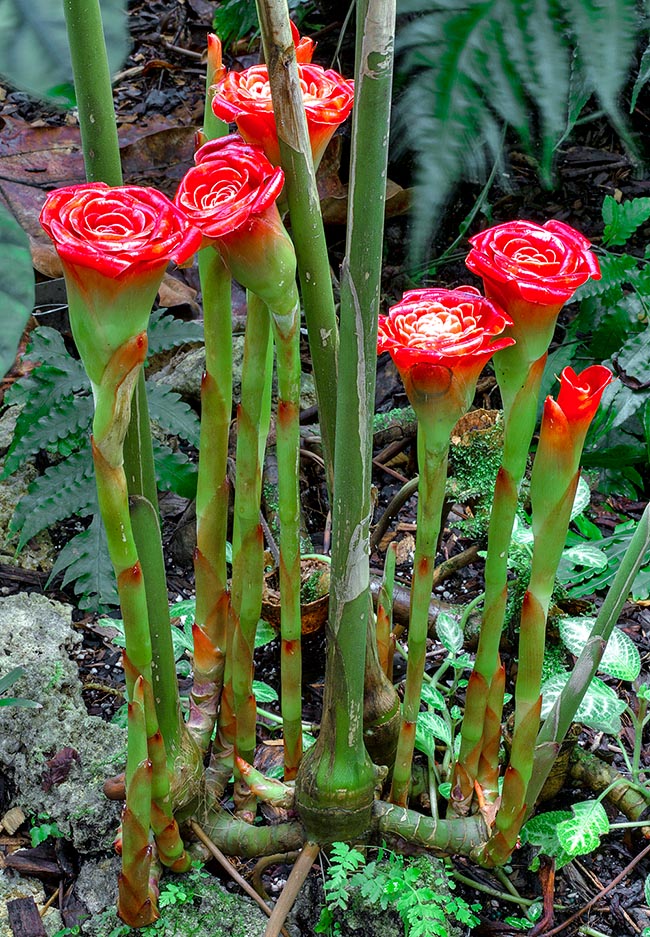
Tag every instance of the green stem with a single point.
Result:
(557, 723)
(286, 330)
(92, 81)
(212, 496)
(248, 545)
(334, 789)
(102, 162)
(520, 385)
(304, 209)
(432, 462)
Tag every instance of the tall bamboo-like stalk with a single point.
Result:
(100, 146)
(304, 210)
(334, 788)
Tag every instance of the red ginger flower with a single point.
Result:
(541, 264)
(117, 232)
(563, 431)
(245, 98)
(231, 183)
(440, 341)
(115, 244)
(531, 270)
(230, 196)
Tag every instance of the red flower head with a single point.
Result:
(562, 436)
(580, 395)
(230, 196)
(440, 341)
(531, 270)
(114, 244)
(245, 98)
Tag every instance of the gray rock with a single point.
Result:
(198, 906)
(36, 634)
(12, 886)
(38, 554)
(183, 374)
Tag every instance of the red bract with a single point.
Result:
(245, 98)
(580, 394)
(230, 196)
(439, 339)
(539, 264)
(117, 232)
(231, 184)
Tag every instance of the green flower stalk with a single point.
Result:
(530, 271)
(385, 646)
(114, 245)
(553, 485)
(230, 194)
(440, 341)
(335, 784)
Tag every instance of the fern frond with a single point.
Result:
(64, 489)
(173, 415)
(165, 331)
(615, 269)
(476, 67)
(174, 471)
(56, 375)
(69, 417)
(85, 561)
(623, 218)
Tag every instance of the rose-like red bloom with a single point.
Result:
(440, 340)
(245, 98)
(230, 196)
(541, 264)
(117, 231)
(114, 245)
(231, 183)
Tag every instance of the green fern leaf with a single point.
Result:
(606, 33)
(65, 489)
(165, 331)
(623, 218)
(174, 471)
(57, 375)
(615, 269)
(641, 79)
(72, 416)
(173, 415)
(85, 562)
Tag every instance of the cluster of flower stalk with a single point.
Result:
(115, 243)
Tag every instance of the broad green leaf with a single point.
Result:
(20, 703)
(623, 218)
(646, 889)
(432, 696)
(264, 634)
(174, 470)
(263, 692)
(16, 282)
(580, 834)
(185, 609)
(34, 54)
(600, 709)
(582, 498)
(10, 678)
(85, 561)
(431, 726)
(449, 632)
(621, 658)
(541, 831)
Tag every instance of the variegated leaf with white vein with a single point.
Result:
(621, 658)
